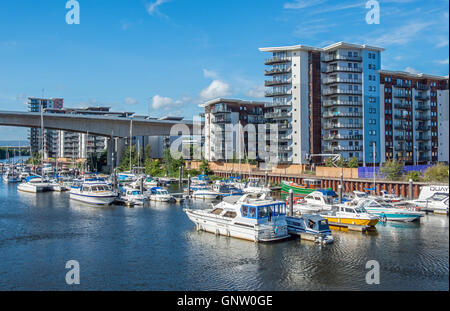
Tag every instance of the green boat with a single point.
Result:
(309, 186)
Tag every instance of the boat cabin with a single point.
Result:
(263, 211)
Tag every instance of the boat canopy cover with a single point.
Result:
(315, 218)
(203, 177)
(369, 189)
(156, 188)
(32, 177)
(329, 193)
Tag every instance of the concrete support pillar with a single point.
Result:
(120, 149)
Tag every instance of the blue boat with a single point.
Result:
(386, 212)
(314, 228)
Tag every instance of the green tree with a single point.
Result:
(204, 167)
(413, 175)
(392, 170)
(353, 163)
(329, 163)
(437, 173)
(125, 163)
(153, 167)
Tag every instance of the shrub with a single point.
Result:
(392, 170)
(413, 175)
(437, 173)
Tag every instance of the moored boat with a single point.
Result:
(158, 194)
(308, 187)
(253, 219)
(93, 192)
(33, 184)
(387, 211)
(350, 215)
(310, 227)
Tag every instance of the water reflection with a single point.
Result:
(158, 248)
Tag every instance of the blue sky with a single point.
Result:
(163, 57)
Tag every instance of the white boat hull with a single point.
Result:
(32, 188)
(227, 228)
(94, 200)
(205, 195)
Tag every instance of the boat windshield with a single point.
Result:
(439, 197)
(262, 212)
(136, 192)
(165, 192)
(360, 210)
(323, 225)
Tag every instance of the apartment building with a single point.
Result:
(221, 129)
(80, 145)
(414, 117)
(325, 101)
(48, 141)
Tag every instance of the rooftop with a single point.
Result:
(412, 75)
(327, 48)
(232, 101)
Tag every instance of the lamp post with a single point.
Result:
(131, 137)
(374, 172)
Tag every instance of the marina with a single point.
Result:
(191, 244)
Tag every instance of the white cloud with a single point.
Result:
(160, 102)
(216, 89)
(402, 35)
(411, 70)
(210, 74)
(130, 101)
(153, 7)
(443, 62)
(257, 92)
(301, 4)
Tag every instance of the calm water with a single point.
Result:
(157, 248)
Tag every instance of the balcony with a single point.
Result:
(333, 103)
(424, 159)
(269, 105)
(342, 137)
(278, 93)
(422, 117)
(401, 95)
(273, 115)
(341, 80)
(403, 116)
(284, 149)
(333, 149)
(402, 138)
(341, 91)
(329, 126)
(422, 138)
(422, 107)
(277, 71)
(422, 97)
(277, 60)
(423, 128)
(400, 105)
(330, 69)
(403, 127)
(422, 87)
(403, 148)
(277, 82)
(424, 148)
(335, 57)
(221, 110)
(285, 138)
(221, 120)
(340, 114)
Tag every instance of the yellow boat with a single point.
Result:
(350, 215)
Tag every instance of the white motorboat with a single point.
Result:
(386, 211)
(151, 183)
(438, 203)
(11, 176)
(255, 185)
(134, 196)
(93, 192)
(427, 192)
(318, 201)
(158, 194)
(205, 194)
(33, 184)
(253, 219)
